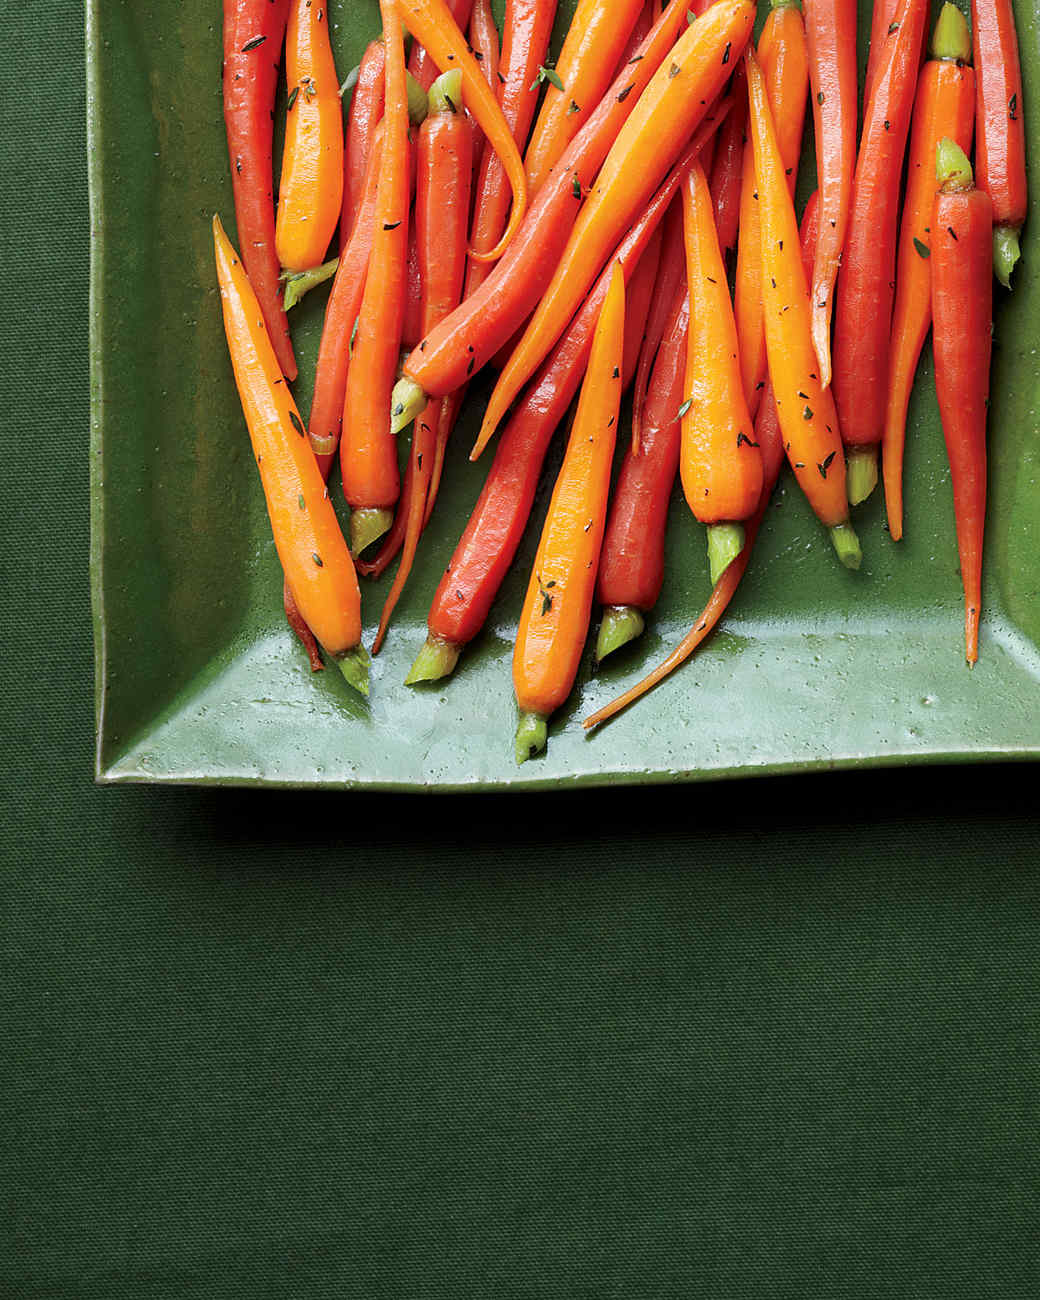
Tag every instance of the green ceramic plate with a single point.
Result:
(198, 678)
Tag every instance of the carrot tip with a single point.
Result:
(407, 401)
(367, 525)
(846, 543)
(532, 734)
(861, 474)
(353, 664)
(725, 542)
(437, 659)
(1006, 253)
(621, 624)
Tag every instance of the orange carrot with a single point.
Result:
(945, 106)
(307, 536)
(432, 23)
(675, 101)
(554, 621)
(368, 452)
(830, 29)
(962, 304)
(719, 462)
(770, 439)
(784, 58)
(310, 194)
(587, 64)
(812, 438)
(484, 41)
(420, 64)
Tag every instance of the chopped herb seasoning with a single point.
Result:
(573, 108)
(253, 44)
(547, 74)
(303, 504)
(710, 280)
(742, 438)
(451, 103)
(820, 97)
(576, 186)
(297, 423)
(390, 225)
(1013, 107)
(317, 559)
(803, 395)
(472, 363)
(238, 166)
(888, 125)
(952, 233)
(292, 98)
(825, 465)
(761, 384)
(353, 333)
(477, 55)
(893, 27)
(501, 79)
(617, 373)
(624, 94)
(638, 59)
(684, 408)
(588, 525)
(674, 71)
(725, 52)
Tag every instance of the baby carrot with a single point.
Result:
(366, 112)
(587, 64)
(784, 59)
(307, 535)
(808, 418)
(554, 621)
(728, 165)
(945, 106)
(470, 337)
(631, 568)
(486, 47)
(310, 194)
(368, 452)
(432, 23)
(866, 281)
(671, 274)
(673, 104)
(962, 306)
(881, 28)
(719, 461)
(830, 29)
(770, 439)
(253, 35)
(420, 63)
(1000, 146)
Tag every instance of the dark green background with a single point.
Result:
(770, 1039)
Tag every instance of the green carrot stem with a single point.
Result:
(435, 660)
(408, 401)
(353, 664)
(725, 542)
(532, 734)
(952, 38)
(1005, 253)
(621, 624)
(367, 525)
(298, 283)
(846, 543)
(861, 474)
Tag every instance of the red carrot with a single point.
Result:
(366, 112)
(671, 274)
(881, 28)
(728, 165)
(253, 34)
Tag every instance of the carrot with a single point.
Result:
(945, 106)
(310, 193)
(411, 324)
(307, 535)
(253, 35)
(1000, 148)
(881, 28)
(812, 438)
(962, 307)
(830, 30)
(728, 165)
(303, 633)
(432, 23)
(420, 63)
(784, 58)
(484, 41)
(648, 15)
(649, 143)
(470, 337)
(368, 453)
(770, 439)
(554, 621)
(366, 112)
(631, 568)
(671, 274)
(866, 281)
(487, 546)
(588, 62)
(720, 464)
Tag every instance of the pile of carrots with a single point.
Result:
(621, 217)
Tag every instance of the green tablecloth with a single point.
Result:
(771, 1039)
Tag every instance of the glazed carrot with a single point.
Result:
(653, 137)
(866, 281)
(432, 23)
(784, 59)
(1000, 146)
(420, 64)
(554, 621)
(671, 274)
(303, 633)
(881, 28)
(484, 41)
(945, 106)
(366, 112)
(770, 439)
(411, 325)
(588, 62)
(962, 306)
(470, 337)
(719, 461)
(253, 35)
(728, 165)
(310, 192)
(830, 30)
(307, 535)
(488, 544)
(631, 567)
(445, 169)
(368, 453)
(646, 18)
(808, 418)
